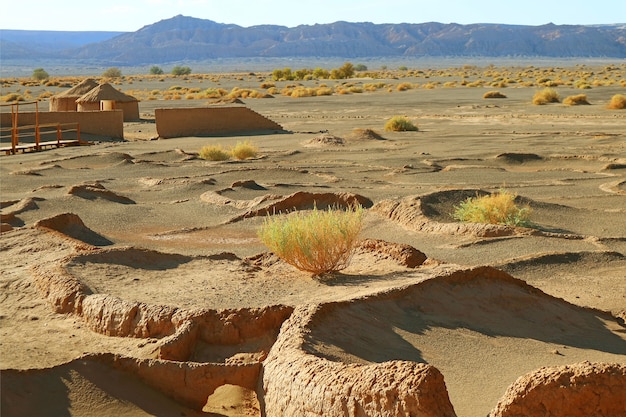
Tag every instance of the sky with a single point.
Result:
(131, 15)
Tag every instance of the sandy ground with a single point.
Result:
(161, 241)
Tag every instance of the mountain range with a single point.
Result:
(188, 39)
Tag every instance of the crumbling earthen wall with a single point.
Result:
(577, 390)
(297, 383)
(102, 123)
(206, 121)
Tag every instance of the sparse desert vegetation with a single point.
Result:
(400, 124)
(343, 80)
(214, 153)
(188, 223)
(244, 150)
(546, 96)
(320, 241)
(617, 102)
(496, 208)
(494, 94)
(576, 100)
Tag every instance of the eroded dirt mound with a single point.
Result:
(98, 191)
(405, 255)
(269, 204)
(94, 161)
(325, 139)
(518, 158)
(10, 209)
(365, 134)
(69, 224)
(578, 390)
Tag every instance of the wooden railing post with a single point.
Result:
(14, 112)
(37, 134)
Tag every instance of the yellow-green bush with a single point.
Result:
(244, 150)
(494, 94)
(214, 153)
(400, 124)
(496, 208)
(545, 96)
(576, 100)
(618, 102)
(320, 241)
(12, 97)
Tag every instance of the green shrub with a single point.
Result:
(321, 73)
(284, 74)
(400, 124)
(244, 150)
(214, 153)
(496, 208)
(156, 70)
(319, 242)
(345, 71)
(40, 74)
(112, 72)
(179, 70)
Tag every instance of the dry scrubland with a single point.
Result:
(134, 281)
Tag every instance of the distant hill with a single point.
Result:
(190, 39)
(20, 44)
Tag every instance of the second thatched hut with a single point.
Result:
(114, 99)
(66, 101)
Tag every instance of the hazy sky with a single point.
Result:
(131, 15)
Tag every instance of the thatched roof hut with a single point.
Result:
(106, 92)
(66, 101)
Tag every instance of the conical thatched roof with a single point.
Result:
(80, 89)
(105, 92)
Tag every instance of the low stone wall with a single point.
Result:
(207, 121)
(101, 123)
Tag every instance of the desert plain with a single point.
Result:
(112, 252)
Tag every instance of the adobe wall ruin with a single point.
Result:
(102, 123)
(207, 121)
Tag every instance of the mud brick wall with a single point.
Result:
(102, 123)
(208, 121)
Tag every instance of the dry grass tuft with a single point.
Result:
(244, 150)
(214, 153)
(320, 242)
(496, 208)
(618, 102)
(400, 124)
(576, 100)
(545, 96)
(494, 94)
